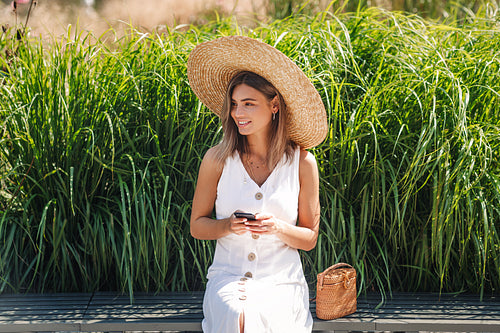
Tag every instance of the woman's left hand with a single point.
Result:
(264, 224)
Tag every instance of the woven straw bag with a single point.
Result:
(336, 292)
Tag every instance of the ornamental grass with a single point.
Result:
(101, 140)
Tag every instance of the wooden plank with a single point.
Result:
(434, 312)
(39, 327)
(147, 312)
(432, 300)
(426, 312)
(183, 311)
(175, 311)
(437, 326)
(42, 312)
(122, 326)
(350, 323)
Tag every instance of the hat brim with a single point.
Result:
(212, 64)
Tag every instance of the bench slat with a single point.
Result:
(443, 325)
(39, 327)
(183, 311)
(38, 312)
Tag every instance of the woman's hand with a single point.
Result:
(264, 224)
(237, 225)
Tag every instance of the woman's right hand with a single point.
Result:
(237, 225)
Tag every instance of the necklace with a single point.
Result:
(250, 165)
(255, 165)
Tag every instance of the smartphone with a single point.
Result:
(248, 216)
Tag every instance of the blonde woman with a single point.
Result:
(270, 113)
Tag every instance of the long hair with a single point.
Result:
(232, 141)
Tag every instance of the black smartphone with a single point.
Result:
(248, 216)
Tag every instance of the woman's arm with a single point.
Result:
(201, 224)
(305, 234)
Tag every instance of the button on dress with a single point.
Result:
(258, 275)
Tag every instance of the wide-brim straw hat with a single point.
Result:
(212, 64)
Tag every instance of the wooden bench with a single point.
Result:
(108, 312)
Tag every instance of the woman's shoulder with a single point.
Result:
(212, 159)
(307, 162)
(306, 156)
(218, 157)
(212, 153)
(211, 164)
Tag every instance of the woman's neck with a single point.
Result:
(258, 147)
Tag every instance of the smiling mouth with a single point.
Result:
(242, 123)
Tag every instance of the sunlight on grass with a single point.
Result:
(101, 142)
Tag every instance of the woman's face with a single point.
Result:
(251, 110)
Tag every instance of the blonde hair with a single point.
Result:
(232, 141)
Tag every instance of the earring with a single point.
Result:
(274, 115)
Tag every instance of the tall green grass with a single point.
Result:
(101, 142)
(433, 9)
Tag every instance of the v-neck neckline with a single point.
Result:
(250, 177)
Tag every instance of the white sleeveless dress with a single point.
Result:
(257, 275)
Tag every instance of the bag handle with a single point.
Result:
(331, 268)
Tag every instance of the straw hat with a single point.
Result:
(213, 64)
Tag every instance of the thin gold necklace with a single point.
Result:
(251, 165)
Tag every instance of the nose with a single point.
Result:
(237, 110)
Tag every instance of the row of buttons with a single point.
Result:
(248, 275)
(242, 289)
(258, 196)
(251, 257)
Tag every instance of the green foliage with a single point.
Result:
(433, 9)
(101, 143)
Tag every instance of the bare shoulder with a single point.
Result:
(212, 153)
(211, 163)
(307, 163)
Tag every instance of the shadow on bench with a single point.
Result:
(108, 312)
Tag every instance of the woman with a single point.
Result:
(270, 113)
